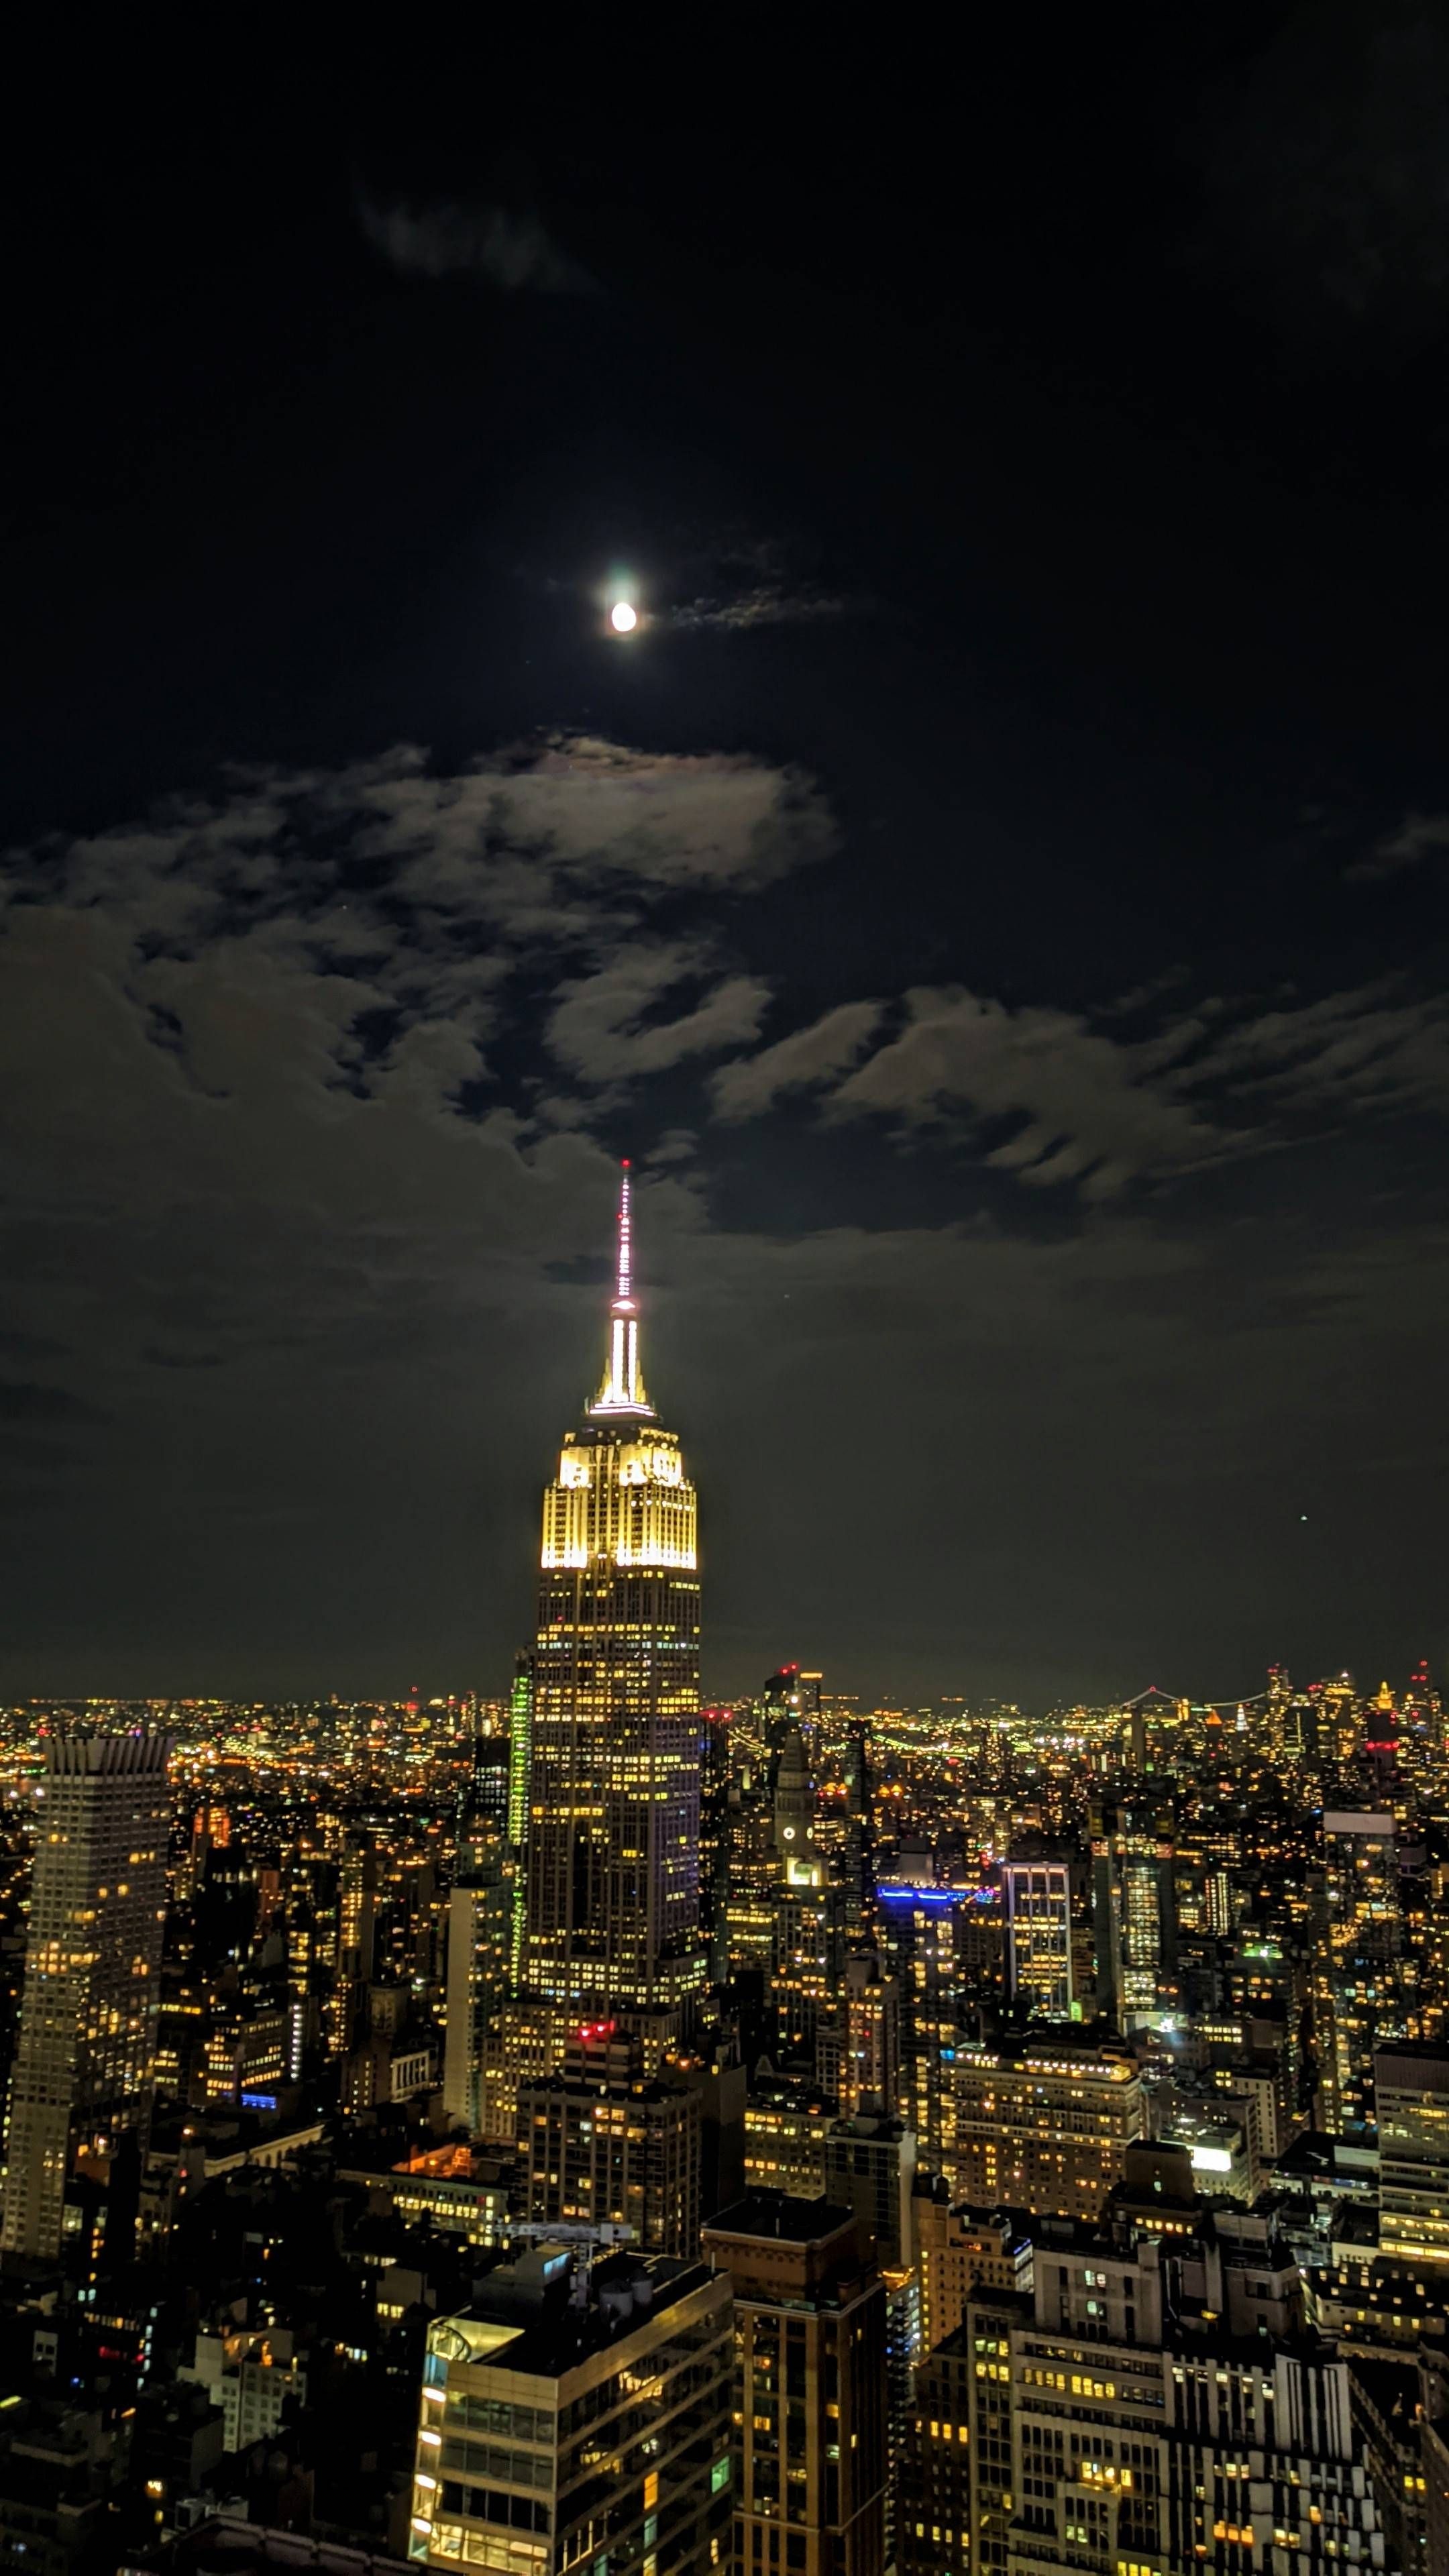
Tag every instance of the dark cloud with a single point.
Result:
(25, 1400)
(800, 1062)
(767, 604)
(508, 250)
(1090, 1109)
(1418, 838)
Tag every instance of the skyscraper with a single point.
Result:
(578, 2418)
(1358, 1973)
(810, 2385)
(1039, 1934)
(86, 2058)
(480, 1932)
(612, 1877)
(605, 2148)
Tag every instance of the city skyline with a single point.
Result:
(995, 890)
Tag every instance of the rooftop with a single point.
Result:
(780, 2214)
(543, 2317)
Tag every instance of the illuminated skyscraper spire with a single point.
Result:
(622, 1386)
(612, 1844)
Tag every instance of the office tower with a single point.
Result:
(520, 1778)
(870, 2069)
(794, 1802)
(488, 1798)
(1043, 2128)
(860, 1900)
(606, 2147)
(1134, 1917)
(1039, 1935)
(612, 1911)
(1144, 2408)
(958, 2247)
(807, 1946)
(933, 2515)
(85, 2058)
(480, 1947)
(870, 2169)
(530, 2458)
(303, 1986)
(942, 1949)
(715, 2074)
(357, 1938)
(714, 1840)
(810, 2391)
(787, 2120)
(1381, 1741)
(1357, 1983)
(1411, 2101)
(750, 1875)
(790, 1699)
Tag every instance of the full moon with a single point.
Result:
(623, 618)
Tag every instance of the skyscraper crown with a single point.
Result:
(622, 1387)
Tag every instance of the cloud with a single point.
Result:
(1089, 1109)
(392, 921)
(1377, 1049)
(601, 1025)
(1087, 1114)
(506, 250)
(753, 1083)
(24, 1400)
(1417, 838)
(767, 604)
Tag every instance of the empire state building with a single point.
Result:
(611, 1927)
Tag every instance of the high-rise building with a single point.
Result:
(786, 2122)
(808, 1910)
(933, 2510)
(612, 1904)
(942, 1947)
(1358, 1975)
(1133, 1912)
(520, 1780)
(576, 2417)
(1411, 2097)
(957, 2248)
(714, 1839)
(810, 2391)
(1043, 2128)
(85, 2060)
(1039, 1935)
(605, 2146)
(489, 1792)
(480, 1944)
(870, 2168)
(1148, 2408)
(860, 1896)
(870, 2066)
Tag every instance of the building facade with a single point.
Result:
(1046, 2129)
(575, 2418)
(85, 2060)
(604, 2146)
(810, 2399)
(611, 1914)
(1038, 1897)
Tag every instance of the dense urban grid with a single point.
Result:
(576, 2128)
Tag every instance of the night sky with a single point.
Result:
(998, 897)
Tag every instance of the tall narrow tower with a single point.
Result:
(85, 2064)
(612, 1879)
